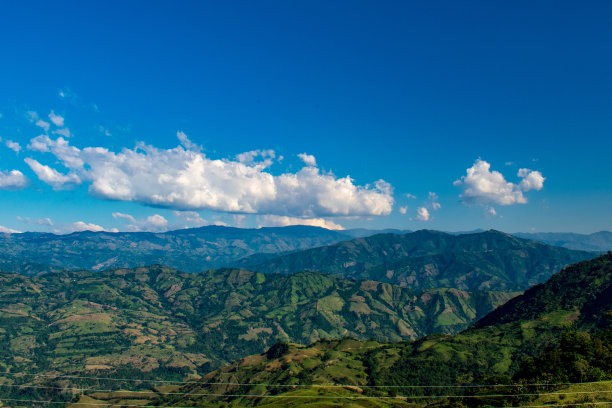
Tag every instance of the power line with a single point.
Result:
(559, 405)
(176, 406)
(303, 385)
(303, 396)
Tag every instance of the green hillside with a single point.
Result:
(159, 323)
(492, 352)
(425, 259)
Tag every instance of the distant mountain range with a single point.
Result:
(598, 241)
(198, 249)
(190, 250)
(425, 259)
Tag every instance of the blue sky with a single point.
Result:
(138, 115)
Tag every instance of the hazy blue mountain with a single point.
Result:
(598, 241)
(190, 250)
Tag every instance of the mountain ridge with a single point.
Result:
(428, 259)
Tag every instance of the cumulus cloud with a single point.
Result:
(188, 180)
(403, 210)
(283, 221)
(13, 180)
(423, 214)
(531, 180)
(14, 146)
(51, 176)
(56, 119)
(481, 186)
(308, 159)
(153, 223)
(6, 230)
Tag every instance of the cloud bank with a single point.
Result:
(186, 179)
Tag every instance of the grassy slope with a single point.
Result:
(495, 347)
(159, 323)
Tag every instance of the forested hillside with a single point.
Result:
(424, 259)
(557, 343)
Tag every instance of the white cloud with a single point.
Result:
(192, 218)
(187, 144)
(531, 180)
(6, 230)
(124, 216)
(13, 180)
(423, 214)
(153, 223)
(408, 195)
(83, 226)
(69, 155)
(433, 201)
(484, 187)
(51, 176)
(33, 117)
(37, 221)
(308, 159)
(283, 221)
(63, 132)
(403, 210)
(188, 180)
(491, 211)
(42, 124)
(16, 147)
(157, 221)
(249, 158)
(56, 119)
